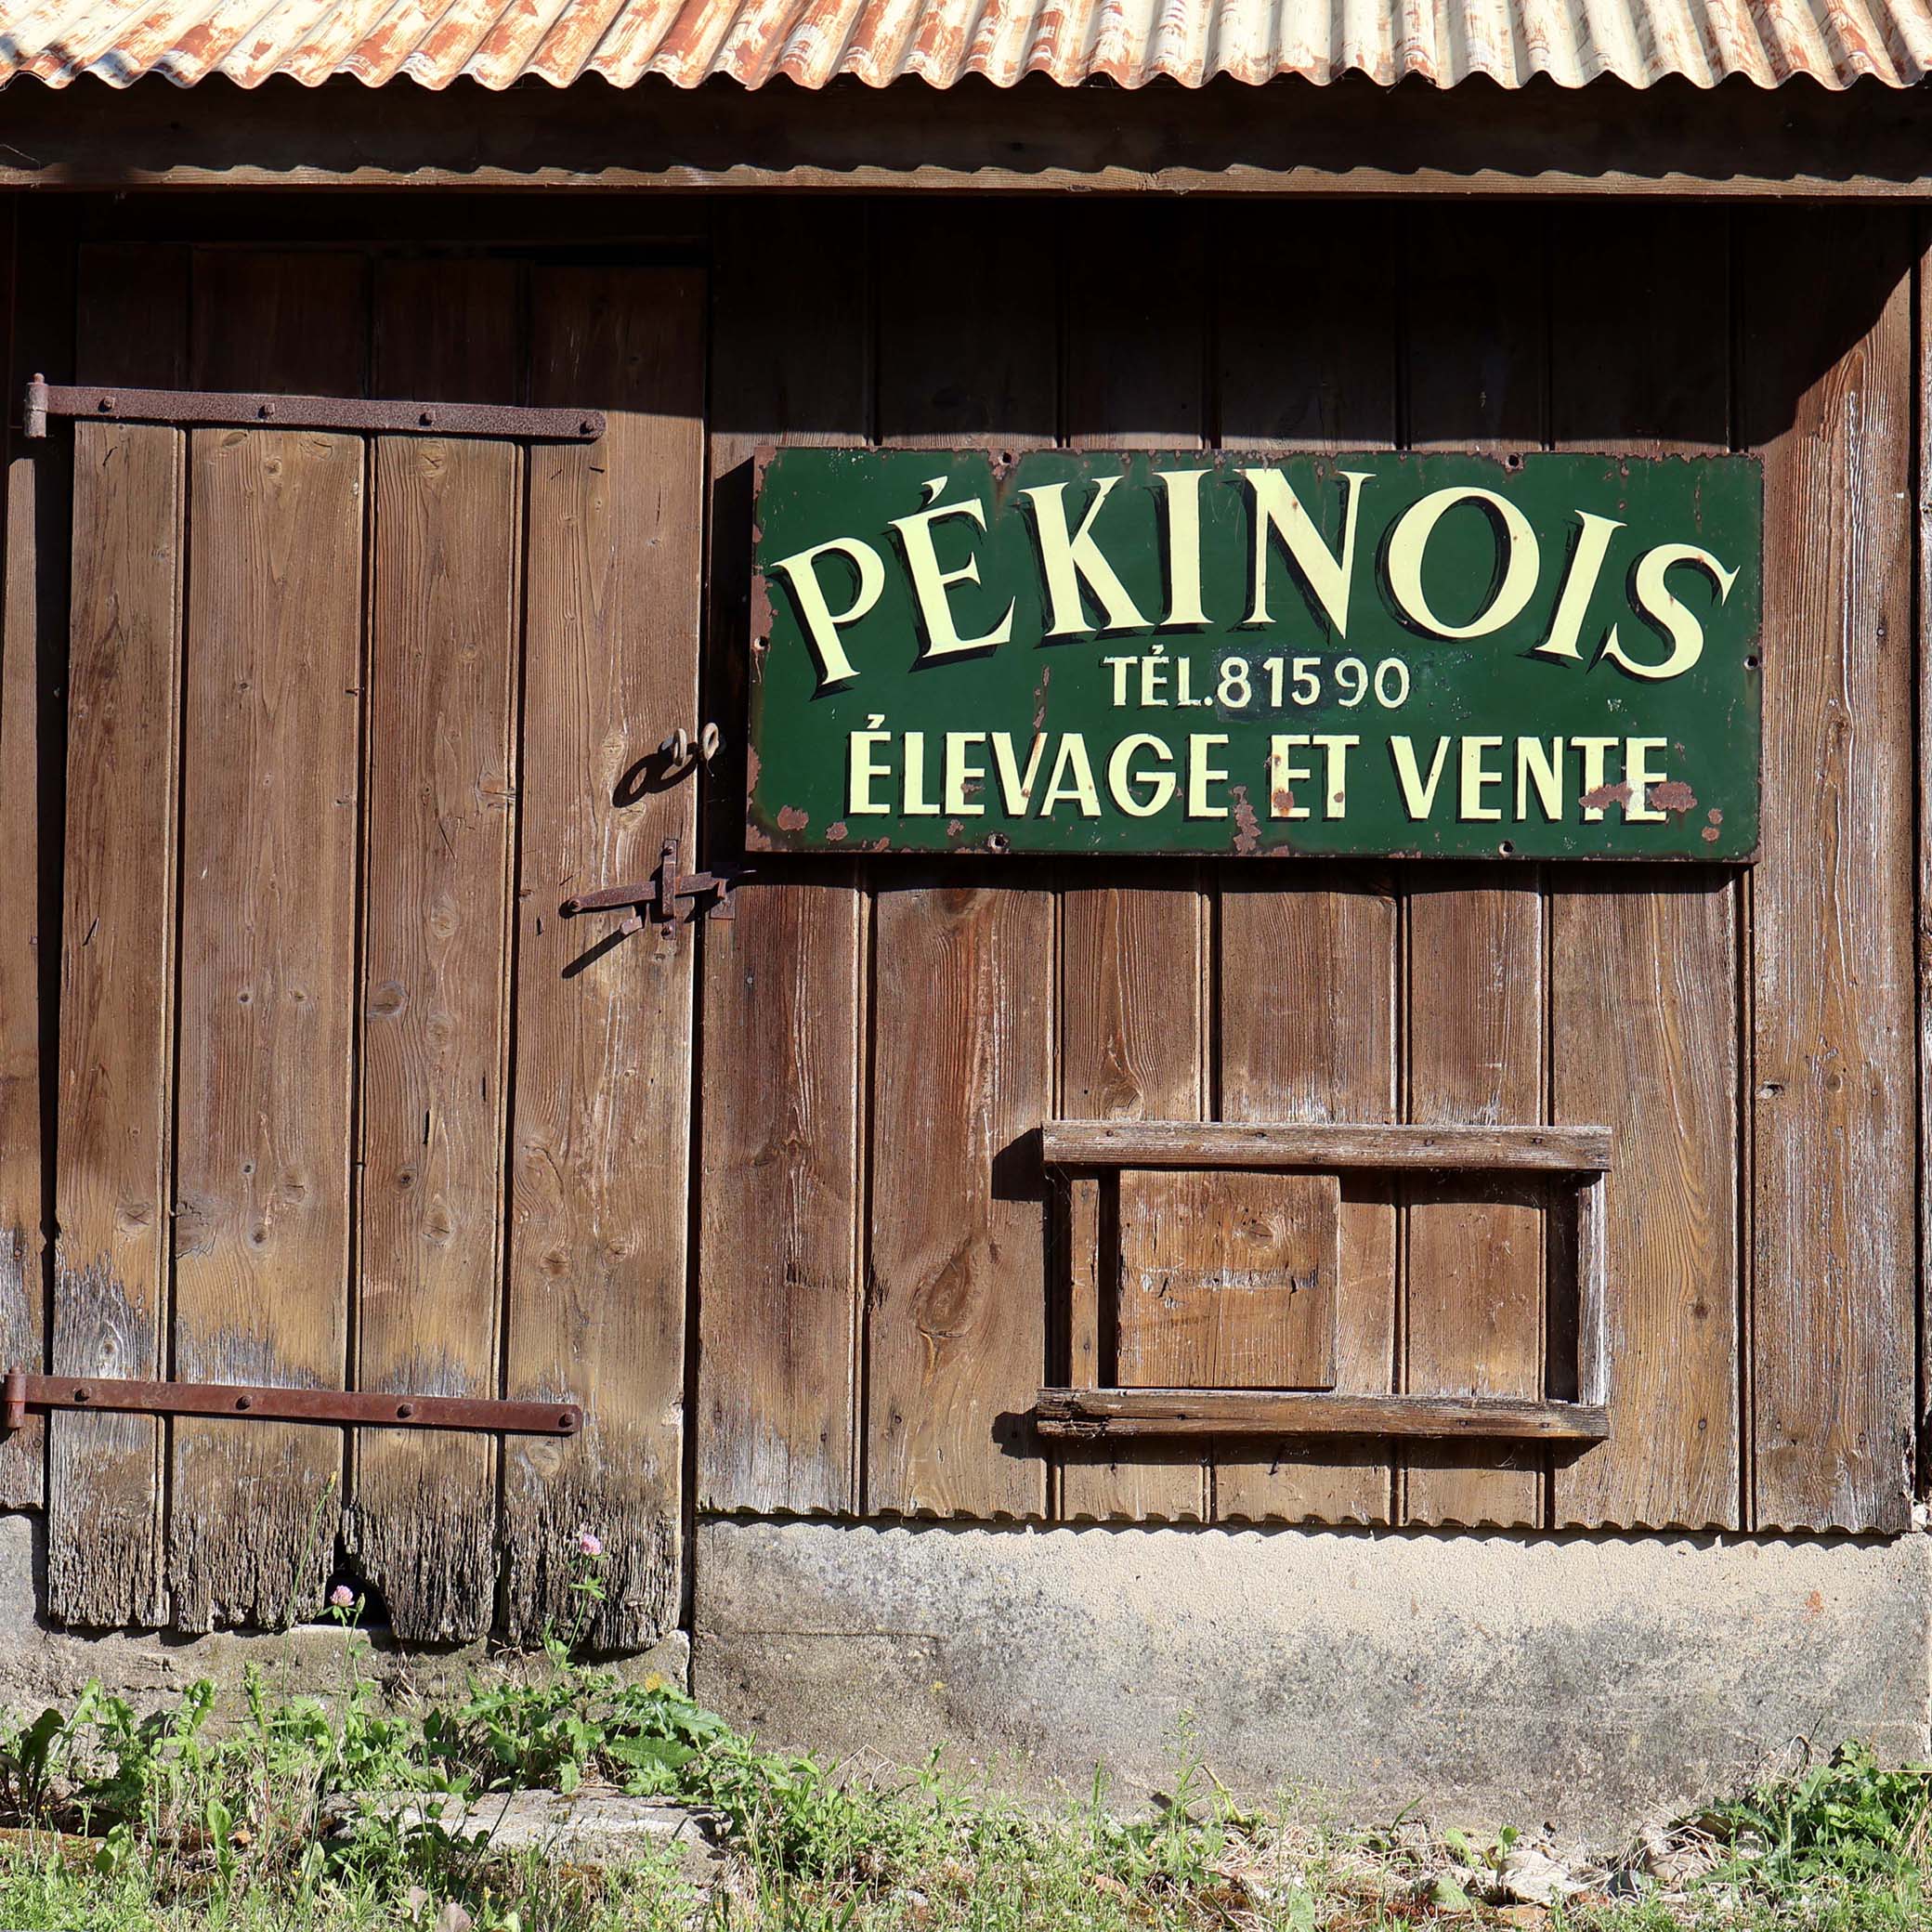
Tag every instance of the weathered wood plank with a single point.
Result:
(1923, 363)
(1644, 1000)
(1347, 138)
(602, 1106)
(33, 658)
(1227, 1280)
(1135, 960)
(266, 989)
(114, 1110)
(1477, 366)
(1307, 1034)
(1309, 956)
(956, 1304)
(784, 978)
(1474, 1320)
(1218, 1143)
(1141, 1414)
(117, 992)
(1086, 1233)
(1827, 397)
(437, 873)
(963, 1015)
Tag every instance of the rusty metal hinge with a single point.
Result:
(20, 1392)
(209, 408)
(667, 895)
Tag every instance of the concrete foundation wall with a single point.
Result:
(1586, 1682)
(1591, 1683)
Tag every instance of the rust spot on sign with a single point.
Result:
(1673, 795)
(835, 832)
(1248, 828)
(792, 819)
(1604, 796)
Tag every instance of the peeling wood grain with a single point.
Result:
(269, 831)
(110, 1277)
(437, 880)
(111, 1280)
(600, 1125)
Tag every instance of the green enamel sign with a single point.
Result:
(1549, 656)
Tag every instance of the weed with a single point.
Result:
(193, 1819)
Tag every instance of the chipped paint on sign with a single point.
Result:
(1534, 657)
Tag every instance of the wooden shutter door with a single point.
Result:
(341, 742)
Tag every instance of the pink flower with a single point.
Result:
(342, 1597)
(590, 1543)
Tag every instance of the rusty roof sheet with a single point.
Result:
(812, 42)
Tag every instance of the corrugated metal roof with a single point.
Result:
(810, 42)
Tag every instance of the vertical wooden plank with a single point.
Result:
(1227, 1280)
(1309, 954)
(1134, 953)
(956, 1296)
(1477, 362)
(266, 999)
(1644, 998)
(602, 1109)
(1923, 672)
(961, 1044)
(117, 992)
(1827, 398)
(437, 887)
(784, 978)
(33, 655)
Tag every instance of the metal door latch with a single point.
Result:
(20, 1392)
(667, 895)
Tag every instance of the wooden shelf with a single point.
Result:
(1190, 1143)
(1090, 1414)
(1093, 1155)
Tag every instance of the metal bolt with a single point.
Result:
(244, 1402)
(404, 1410)
(82, 1392)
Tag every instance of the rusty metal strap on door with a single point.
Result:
(206, 408)
(20, 1392)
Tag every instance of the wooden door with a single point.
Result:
(344, 1101)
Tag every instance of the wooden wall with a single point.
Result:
(876, 1298)
(312, 1084)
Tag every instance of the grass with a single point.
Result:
(200, 1819)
